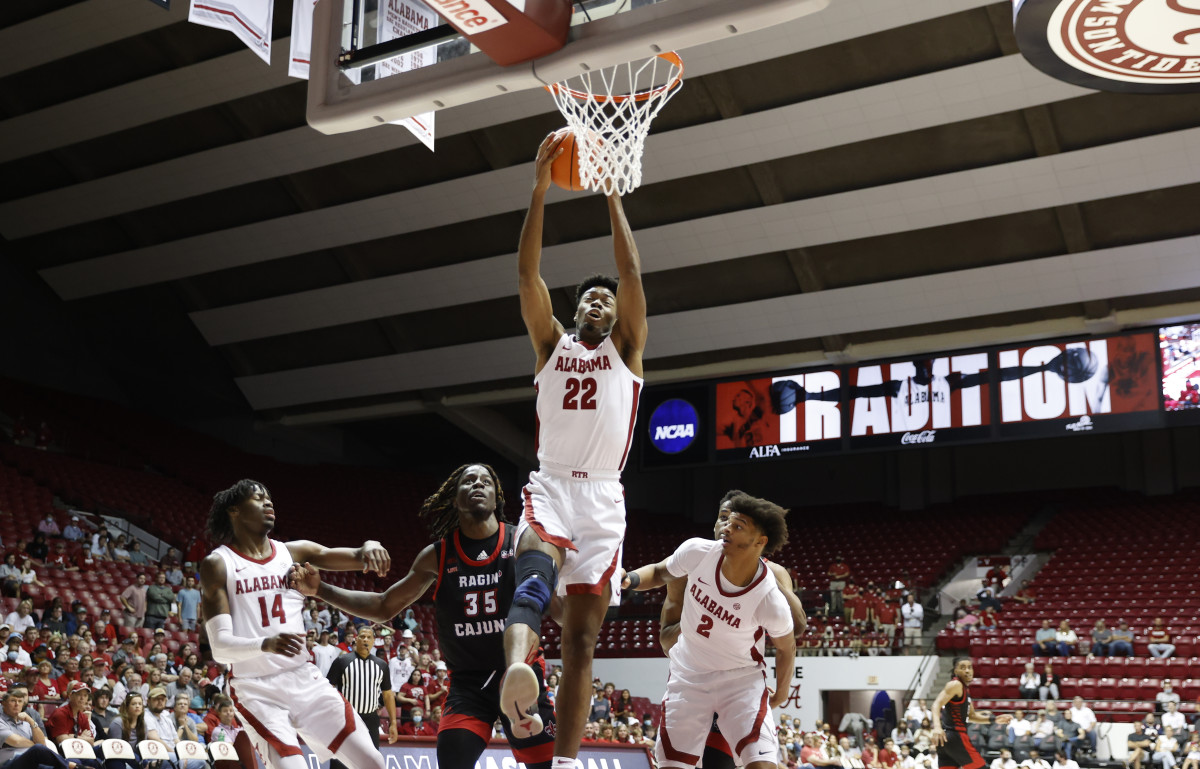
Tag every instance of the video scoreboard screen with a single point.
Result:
(1132, 381)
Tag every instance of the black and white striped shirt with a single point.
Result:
(361, 680)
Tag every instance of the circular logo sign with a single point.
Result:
(1138, 46)
(673, 426)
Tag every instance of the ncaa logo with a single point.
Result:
(1137, 46)
(673, 426)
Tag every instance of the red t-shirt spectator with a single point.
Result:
(65, 680)
(426, 729)
(888, 758)
(886, 613)
(48, 691)
(437, 693)
(85, 561)
(61, 723)
(414, 692)
(59, 558)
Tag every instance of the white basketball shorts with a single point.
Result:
(586, 518)
(278, 707)
(740, 700)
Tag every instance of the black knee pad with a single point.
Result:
(537, 575)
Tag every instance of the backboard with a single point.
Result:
(345, 98)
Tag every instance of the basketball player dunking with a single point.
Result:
(717, 753)
(955, 711)
(570, 535)
(255, 622)
(717, 663)
(471, 569)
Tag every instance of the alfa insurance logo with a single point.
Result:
(1146, 46)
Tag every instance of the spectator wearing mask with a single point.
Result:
(417, 726)
(1166, 694)
(48, 526)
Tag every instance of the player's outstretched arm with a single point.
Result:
(536, 308)
(672, 612)
(377, 607)
(371, 556)
(784, 580)
(646, 577)
(785, 667)
(951, 690)
(630, 330)
(228, 648)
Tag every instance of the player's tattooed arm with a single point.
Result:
(377, 607)
(536, 308)
(672, 612)
(371, 556)
(784, 580)
(646, 577)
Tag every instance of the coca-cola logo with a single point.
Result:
(925, 436)
(1148, 46)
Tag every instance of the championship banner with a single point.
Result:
(302, 31)
(1078, 387)
(250, 20)
(1180, 349)
(421, 753)
(398, 18)
(779, 416)
(921, 401)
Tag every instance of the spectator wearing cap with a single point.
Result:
(159, 598)
(601, 705)
(22, 741)
(1122, 640)
(189, 603)
(125, 654)
(171, 728)
(133, 598)
(73, 720)
(72, 531)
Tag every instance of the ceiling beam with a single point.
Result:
(832, 121)
(494, 431)
(80, 27)
(302, 148)
(1147, 268)
(1029, 185)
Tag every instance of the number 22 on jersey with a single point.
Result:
(580, 394)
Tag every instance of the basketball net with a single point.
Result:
(610, 110)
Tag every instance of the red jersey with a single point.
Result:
(426, 729)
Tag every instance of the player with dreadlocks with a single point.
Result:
(472, 569)
(255, 623)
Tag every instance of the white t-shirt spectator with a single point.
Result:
(1175, 720)
(1028, 763)
(1000, 763)
(18, 624)
(914, 614)
(1021, 727)
(324, 655)
(1084, 717)
(1069, 764)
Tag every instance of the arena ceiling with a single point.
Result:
(884, 177)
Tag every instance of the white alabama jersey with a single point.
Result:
(262, 605)
(723, 625)
(587, 401)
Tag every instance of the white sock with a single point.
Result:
(562, 763)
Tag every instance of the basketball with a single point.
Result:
(565, 170)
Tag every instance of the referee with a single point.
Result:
(363, 679)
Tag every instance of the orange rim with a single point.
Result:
(669, 56)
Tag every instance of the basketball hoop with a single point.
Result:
(610, 110)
